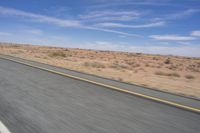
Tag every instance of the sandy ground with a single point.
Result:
(180, 75)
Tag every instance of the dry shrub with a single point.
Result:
(174, 74)
(66, 49)
(158, 66)
(172, 67)
(189, 77)
(57, 54)
(167, 74)
(119, 66)
(155, 58)
(120, 79)
(138, 53)
(94, 64)
(130, 63)
(198, 64)
(14, 46)
(136, 65)
(37, 56)
(141, 69)
(167, 61)
(193, 68)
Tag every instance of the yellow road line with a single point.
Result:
(110, 87)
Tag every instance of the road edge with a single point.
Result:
(174, 104)
(3, 128)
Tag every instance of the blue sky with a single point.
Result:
(148, 26)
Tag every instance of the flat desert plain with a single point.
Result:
(180, 75)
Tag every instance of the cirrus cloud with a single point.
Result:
(110, 15)
(119, 25)
(195, 33)
(172, 37)
(59, 22)
(39, 18)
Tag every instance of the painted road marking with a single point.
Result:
(3, 128)
(111, 87)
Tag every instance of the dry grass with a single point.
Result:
(189, 77)
(170, 73)
(57, 54)
(167, 61)
(119, 66)
(167, 74)
(94, 64)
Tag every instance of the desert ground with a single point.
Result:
(180, 75)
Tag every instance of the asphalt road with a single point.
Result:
(36, 101)
(180, 99)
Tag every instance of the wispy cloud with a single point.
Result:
(5, 34)
(178, 15)
(57, 21)
(110, 15)
(195, 33)
(40, 18)
(183, 14)
(172, 37)
(113, 31)
(185, 42)
(35, 31)
(118, 3)
(119, 25)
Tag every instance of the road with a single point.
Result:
(36, 101)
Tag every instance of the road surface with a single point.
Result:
(36, 101)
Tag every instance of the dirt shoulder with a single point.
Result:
(180, 75)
